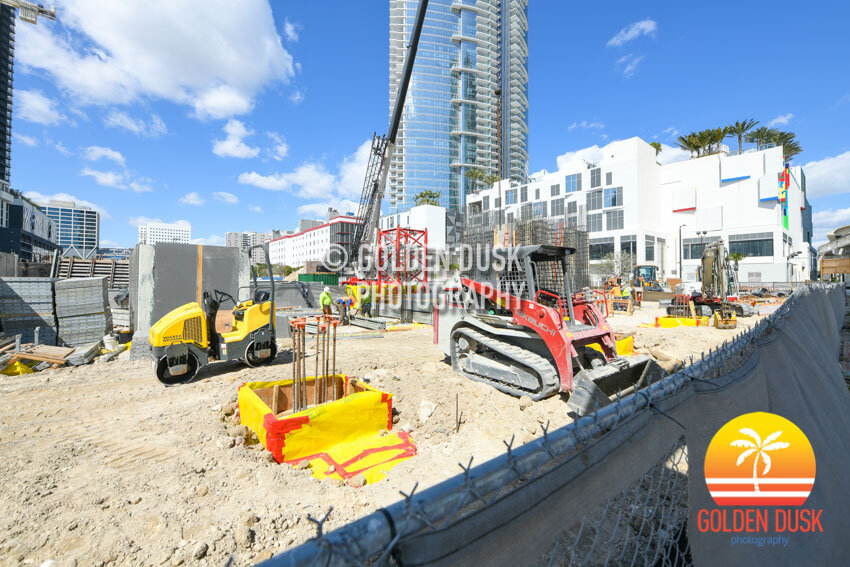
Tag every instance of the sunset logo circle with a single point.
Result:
(759, 459)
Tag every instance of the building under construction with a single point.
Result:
(484, 230)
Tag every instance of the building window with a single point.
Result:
(609, 178)
(692, 248)
(598, 248)
(753, 276)
(555, 190)
(523, 194)
(613, 197)
(498, 204)
(525, 211)
(594, 200)
(595, 177)
(628, 245)
(536, 193)
(558, 207)
(510, 197)
(650, 248)
(755, 244)
(614, 220)
(540, 210)
(594, 223)
(572, 208)
(572, 183)
(485, 203)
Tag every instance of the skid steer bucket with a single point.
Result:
(592, 387)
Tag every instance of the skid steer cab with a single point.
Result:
(185, 340)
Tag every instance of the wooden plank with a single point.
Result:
(693, 309)
(30, 356)
(276, 399)
(199, 290)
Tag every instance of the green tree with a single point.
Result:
(428, 198)
(477, 176)
(490, 179)
(691, 143)
(736, 257)
(761, 136)
(739, 129)
(788, 141)
(657, 147)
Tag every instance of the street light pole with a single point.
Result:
(681, 250)
(498, 92)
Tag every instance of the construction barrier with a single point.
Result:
(671, 322)
(626, 485)
(339, 438)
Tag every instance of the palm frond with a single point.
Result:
(743, 443)
(772, 437)
(776, 446)
(743, 456)
(766, 459)
(749, 432)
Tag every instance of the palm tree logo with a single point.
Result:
(758, 448)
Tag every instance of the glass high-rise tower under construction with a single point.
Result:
(7, 57)
(469, 51)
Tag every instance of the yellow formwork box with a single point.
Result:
(339, 438)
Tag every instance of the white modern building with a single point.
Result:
(155, 232)
(631, 203)
(77, 227)
(245, 240)
(314, 243)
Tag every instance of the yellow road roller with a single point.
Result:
(185, 340)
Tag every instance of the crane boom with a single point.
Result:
(369, 210)
(30, 11)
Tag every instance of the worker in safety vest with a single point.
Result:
(326, 301)
(627, 291)
(366, 302)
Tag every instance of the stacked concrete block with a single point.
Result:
(26, 304)
(82, 309)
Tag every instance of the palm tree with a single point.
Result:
(657, 147)
(476, 175)
(741, 128)
(759, 449)
(490, 179)
(761, 136)
(736, 257)
(788, 141)
(690, 142)
(428, 198)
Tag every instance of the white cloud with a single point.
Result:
(672, 132)
(841, 100)
(192, 198)
(33, 106)
(212, 240)
(152, 129)
(256, 208)
(94, 153)
(43, 199)
(585, 125)
(106, 243)
(225, 197)
(201, 53)
(630, 63)
(233, 145)
(280, 149)
(308, 180)
(828, 176)
(138, 221)
(117, 180)
(25, 140)
(824, 221)
(62, 149)
(577, 160)
(352, 171)
(320, 210)
(781, 120)
(633, 31)
(297, 96)
(290, 30)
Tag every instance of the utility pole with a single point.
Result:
(30, 11)
(498, 92)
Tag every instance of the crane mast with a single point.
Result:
(369, 210)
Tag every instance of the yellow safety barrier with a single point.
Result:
(17, 368)
(339, 438)
(670, 322)
(625, 347)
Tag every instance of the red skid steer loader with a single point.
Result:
(517, 326)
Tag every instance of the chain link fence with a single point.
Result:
(612, 488)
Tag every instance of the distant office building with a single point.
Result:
(7, 58)
(307, 224)
(24, 229)
(245, 240)
(77, 228)
(316, 243)
(451, 116)
(114, 253)
(155, 232)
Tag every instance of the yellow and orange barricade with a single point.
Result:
(340, 438)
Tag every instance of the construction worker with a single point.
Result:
(343, 309)
(366, 302)
(326, 301)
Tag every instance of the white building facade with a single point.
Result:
(630, 203)
(314, 243)
(245, 240)
(156, 232)
(443, 226)
(77, 227)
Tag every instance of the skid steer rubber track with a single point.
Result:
(512, 369)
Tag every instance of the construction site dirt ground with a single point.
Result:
(101, 464)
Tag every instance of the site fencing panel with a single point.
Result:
(615, 487)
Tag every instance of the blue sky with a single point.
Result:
(248, 118)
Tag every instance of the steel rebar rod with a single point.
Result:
(292, 332)
(302, 388)
(333, 370)
(316, 375)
